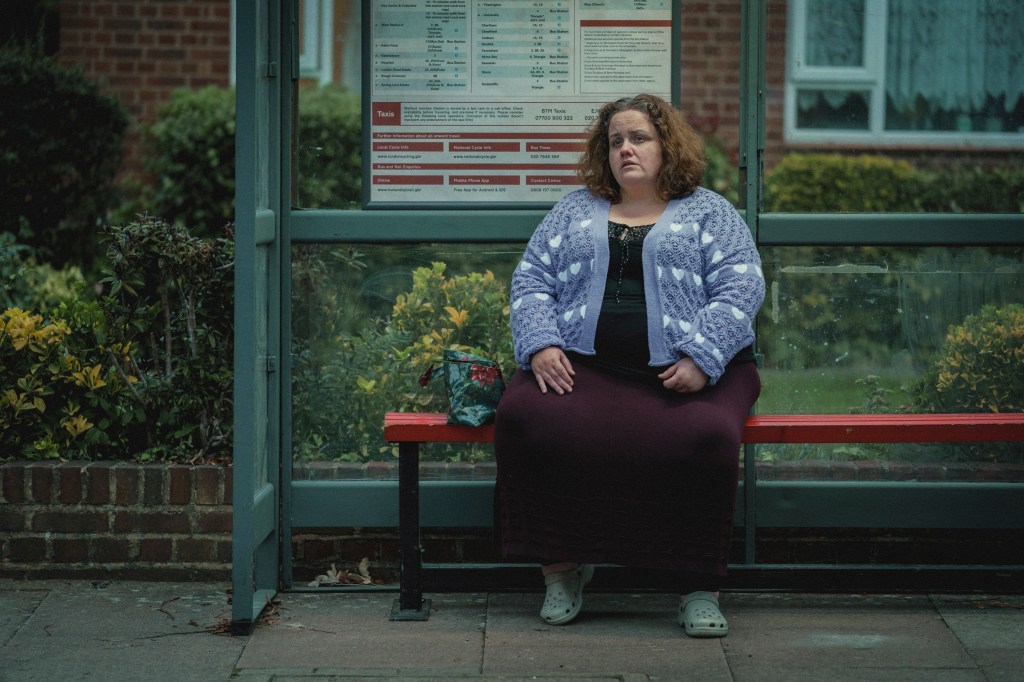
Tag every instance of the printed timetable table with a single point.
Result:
(487, 101)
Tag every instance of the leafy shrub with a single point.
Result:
(329, 148)
(61, 144)
(30, 285)
(66, 393)
(971, 188)
(376, 370)
(720, 173)
(813, 183)
(170, 300)
(979, 368)
(191, 153)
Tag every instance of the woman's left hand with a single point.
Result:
(684, 376)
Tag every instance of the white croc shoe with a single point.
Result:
(564, 597)
(700, 617)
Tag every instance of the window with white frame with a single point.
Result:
(935, 72)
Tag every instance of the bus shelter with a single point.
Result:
(461, 170)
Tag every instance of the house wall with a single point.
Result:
(141, 51)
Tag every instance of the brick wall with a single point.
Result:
(115, 519)
(710, 68)
(142, 50)
(173, 522)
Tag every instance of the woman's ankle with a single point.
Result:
(559, 567)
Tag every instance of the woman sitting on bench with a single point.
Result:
(632, 317)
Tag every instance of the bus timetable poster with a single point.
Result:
(485, 102)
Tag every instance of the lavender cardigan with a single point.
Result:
(702, 280)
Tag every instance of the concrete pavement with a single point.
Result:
(81, 630)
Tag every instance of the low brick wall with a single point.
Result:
(173, 522)
(115, 519)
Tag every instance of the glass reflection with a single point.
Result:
(889, 330)
(367, 321)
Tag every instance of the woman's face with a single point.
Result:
(634, 150)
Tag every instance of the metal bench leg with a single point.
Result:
(410, 605)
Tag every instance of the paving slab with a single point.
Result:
(624, 634)
(119, 631)
(81, 630)
(351, 632)
(16, 606)
(991, 629)
(842, 637)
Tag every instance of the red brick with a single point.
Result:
(153, 484)
(70, 521)
(42, 482)
(317, 549)
(24, 550)
(229, 485)
(11, 520)
(844, 471)
(180, 487)
(110, 550)
(97, 483)
(480, 551)
(155, 549)
(870, 470)
(194, 549)
(222, 551)
(13, 489)
(960, 471)
(208, 484)
(152, 522)
(213, 522)
(70, 550)
(126, 485)
(901, 471)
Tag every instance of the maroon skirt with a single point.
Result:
(621, 471)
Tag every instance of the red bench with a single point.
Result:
(409, 430)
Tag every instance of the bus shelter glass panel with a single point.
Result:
(368, 321)
(895, 106)
(876, 330)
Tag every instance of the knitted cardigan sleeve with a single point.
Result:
(552, 283)
(727, 286)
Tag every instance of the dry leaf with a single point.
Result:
(336, 577)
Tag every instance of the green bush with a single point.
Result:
(720, 173)
(816, 183)
(980, 366)
(61, 145)
(33, 286)
(66, 392)
(971, 188)
(375, 370)
(191, 153)
(329, 148)
(979, 369)
(169, 299)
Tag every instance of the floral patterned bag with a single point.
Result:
(474, 385)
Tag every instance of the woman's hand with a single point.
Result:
(684, 376)
(552, 368)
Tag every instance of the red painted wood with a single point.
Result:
(770, 428)
(432, 427)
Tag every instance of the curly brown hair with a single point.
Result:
(682, 166)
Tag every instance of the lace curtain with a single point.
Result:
(835, 33)
(835, 37)
(955, 53)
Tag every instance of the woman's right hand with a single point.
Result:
(552, 368)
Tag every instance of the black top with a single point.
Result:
(621, 337)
